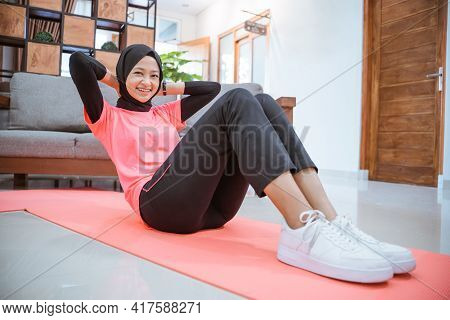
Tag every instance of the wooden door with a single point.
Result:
(402, 107)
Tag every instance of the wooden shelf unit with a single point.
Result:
(72, 32)
(55, 5)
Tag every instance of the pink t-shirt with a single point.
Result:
(137, 142)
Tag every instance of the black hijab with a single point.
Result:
(129, 57)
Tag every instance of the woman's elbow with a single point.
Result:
(75, 60)
(74, 57)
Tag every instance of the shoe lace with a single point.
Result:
(335, 234)
(347, 224)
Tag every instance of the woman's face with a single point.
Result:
(143, 80)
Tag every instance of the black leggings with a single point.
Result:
(242, 139)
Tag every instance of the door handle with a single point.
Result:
(440, 75)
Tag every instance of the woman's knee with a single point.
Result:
(237, 100)
(266, 100)
(230, 96)
(270, 106)
(263, 97)
(239, 94)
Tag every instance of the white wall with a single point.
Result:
(311, 42)
(188, 23)
(224, 15)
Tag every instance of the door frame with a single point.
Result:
(237, 49)
(370, 76)
(205, 41)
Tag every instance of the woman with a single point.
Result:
(199, 182)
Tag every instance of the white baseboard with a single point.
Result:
(352, 175)
(443, 184)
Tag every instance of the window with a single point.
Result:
(249, 50)
(168, 30)
(141, 13)
(168, 34)
(102, 36)
(244, 62)
(226, 59)
(79, 7)
(259, 59)
(65, 72)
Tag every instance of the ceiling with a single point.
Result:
(193, 7)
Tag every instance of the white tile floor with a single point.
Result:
(40, 260)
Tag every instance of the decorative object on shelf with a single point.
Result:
(110, 46)
(172, 63)
(36, 25)
(43, 36)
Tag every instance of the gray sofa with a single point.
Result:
(43, 130)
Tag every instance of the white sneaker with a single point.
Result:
(401, 259)
(323, 248)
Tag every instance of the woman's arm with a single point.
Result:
(200, 94)
(111, 80)
(172, 88)
(85, 72)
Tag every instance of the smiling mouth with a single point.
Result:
(144, 90)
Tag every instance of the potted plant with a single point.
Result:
(43, 36)
(110, 46)
(172, 63)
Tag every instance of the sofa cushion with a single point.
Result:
(158, 100)
(50, 103)
(39, 144)
(4, 118)
(89, 147)
(254, 88)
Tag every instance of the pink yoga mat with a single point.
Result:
(240, 257)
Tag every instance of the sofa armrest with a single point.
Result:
(288, 104)
(4, 102)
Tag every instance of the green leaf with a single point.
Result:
(171, 63)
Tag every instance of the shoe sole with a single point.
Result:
(303, 261)
(405, 266)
